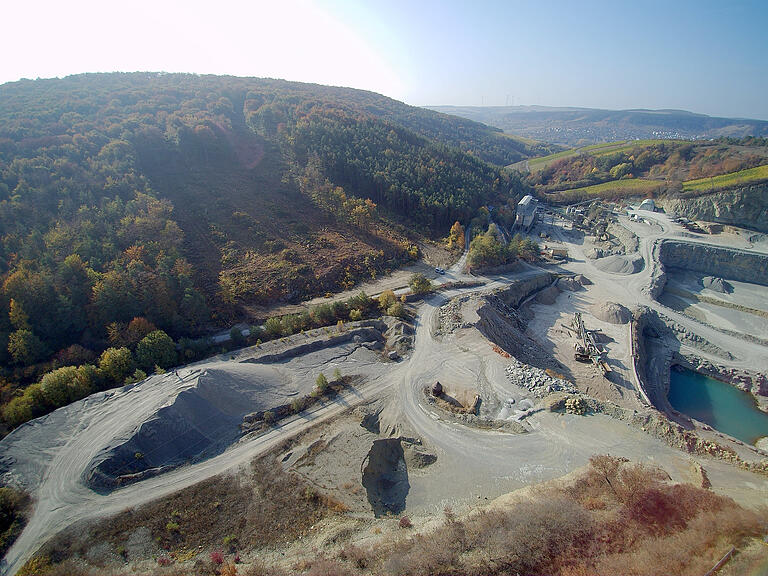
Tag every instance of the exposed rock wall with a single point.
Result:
(518, 291)
(728, 263)
(746, 207)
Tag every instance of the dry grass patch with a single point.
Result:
(617, 518)
(265, 507)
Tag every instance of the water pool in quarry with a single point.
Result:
(722, 406)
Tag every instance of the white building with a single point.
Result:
(647, 204)
(525, 215)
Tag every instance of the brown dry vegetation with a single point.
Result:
(265, 508)
(616, 518)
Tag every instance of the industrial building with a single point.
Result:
(526, 213)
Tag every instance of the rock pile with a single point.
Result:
(450, 316)
(570, 284)
(717, 284)
(536, 380)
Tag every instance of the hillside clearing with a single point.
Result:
(616, 188)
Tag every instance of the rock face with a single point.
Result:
(611, 312)
(728, 263)
(548, 295)
(746, 207)
(716, 284)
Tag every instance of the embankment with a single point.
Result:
(501, 323)
(746, 207)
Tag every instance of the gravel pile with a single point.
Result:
(620, 264)
(717, 284)
(536, 380)
(611, 312)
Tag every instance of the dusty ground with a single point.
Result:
(546, 327)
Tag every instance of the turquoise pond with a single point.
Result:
(722, 406)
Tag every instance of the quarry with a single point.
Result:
(514, 380)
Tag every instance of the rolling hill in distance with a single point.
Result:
(582, 126)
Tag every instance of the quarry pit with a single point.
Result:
(383, 447)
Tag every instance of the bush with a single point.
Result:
(274, 327)
(420, 284)
(405, 522)
(217, 557)
(116, 364)
(386, 299)
(321, 383)
(13, 506)
(65, 385)
(397, 309)
(137, 376)
(355, 315)
(156, 349)
(236, 335)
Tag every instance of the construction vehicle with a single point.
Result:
(586, 348)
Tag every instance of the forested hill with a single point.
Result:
(583, 126)
(179, 199)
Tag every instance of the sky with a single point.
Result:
(704, 56)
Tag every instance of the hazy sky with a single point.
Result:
(705, 56)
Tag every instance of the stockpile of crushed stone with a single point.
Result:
(717, 284)
(611, 312)
(617, 264)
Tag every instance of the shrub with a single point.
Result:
(397, 309)
(273, 326)
(137, 376)
(13, 506)
(386, 299)
(156, 349)
(405, 522)
(321, 383)
(164, 560)
(236, 335)
(116, 364)
(269, 417)
(420, 284)
(217, 557)
(355, 314)
(230, 543)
